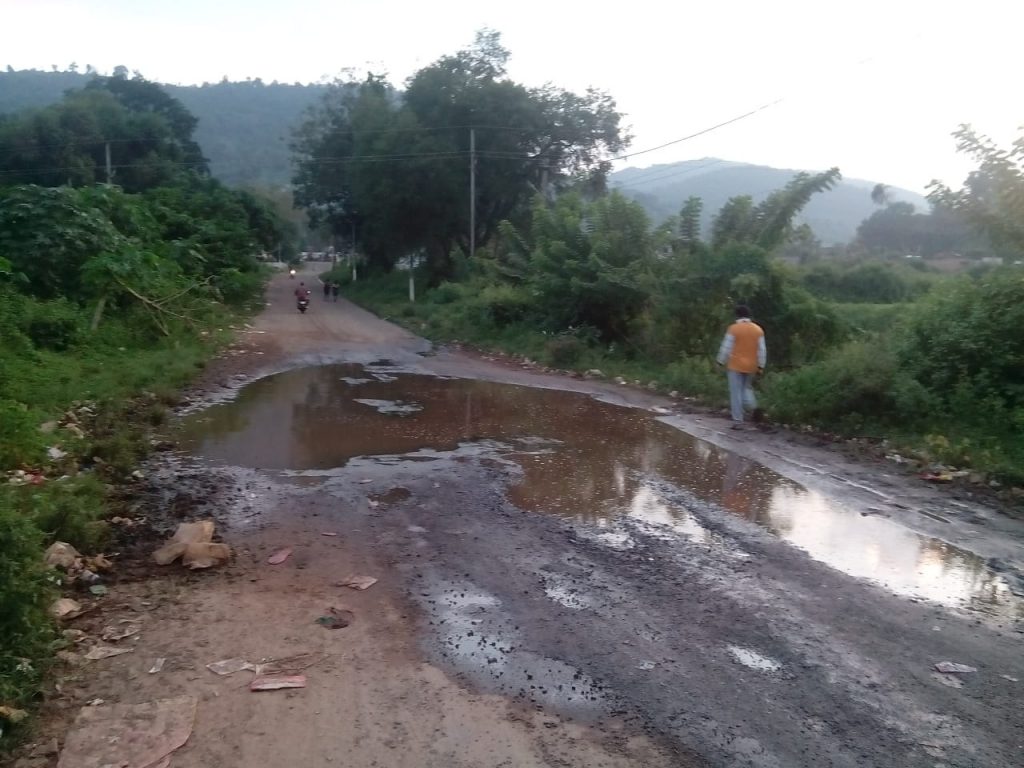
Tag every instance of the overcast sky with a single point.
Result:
(873, 86)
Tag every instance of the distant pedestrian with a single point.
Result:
(334, 289)
(744, 354)
(327, 289)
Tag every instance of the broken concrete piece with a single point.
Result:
(205, 555)
(129, 736)
(276, 683)
(187, 533)
(952, 668)
(61, 555)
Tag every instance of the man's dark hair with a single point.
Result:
(742, 310)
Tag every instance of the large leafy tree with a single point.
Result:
(396, 166)
(992, 198)
(148, 132)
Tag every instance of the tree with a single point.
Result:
(148, 132)
(880, 194)
(769, 223)
(397, 166)
(992, 198)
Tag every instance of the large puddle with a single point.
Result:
(580, 458)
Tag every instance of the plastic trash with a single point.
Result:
(158, 666)
(98, 652)
(113, 634)
(357, 582)
(187, 533)
(280, 556)
(205, 555)
(230, 666)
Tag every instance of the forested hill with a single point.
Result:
(833, 215)
(244, 128)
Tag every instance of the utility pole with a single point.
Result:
(110, 171)
(352, 252)
(472, 192)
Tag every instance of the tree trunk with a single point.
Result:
(98, 314)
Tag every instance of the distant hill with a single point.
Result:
(244, 128)
(834, 215)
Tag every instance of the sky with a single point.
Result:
(875, 87)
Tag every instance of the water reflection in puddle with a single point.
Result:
(753, 659)
(579, 458)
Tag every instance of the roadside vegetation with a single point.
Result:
(111, 297)
(871, 345)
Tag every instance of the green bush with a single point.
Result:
(65, 510)
(25, 593)
(54, 325)
(564, 351)
(860, 386)
(20, 439)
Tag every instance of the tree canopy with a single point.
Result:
(396, 165)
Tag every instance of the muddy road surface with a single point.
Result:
(569, 574)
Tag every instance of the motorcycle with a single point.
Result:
(303, 304)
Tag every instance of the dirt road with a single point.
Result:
(563, 581)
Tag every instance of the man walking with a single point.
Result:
(744, 354)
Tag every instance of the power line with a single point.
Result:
(665, 173)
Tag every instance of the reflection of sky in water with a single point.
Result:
(580, 458)
(878, 549)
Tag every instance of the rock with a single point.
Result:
(674, 395)
(594, 373)
(46, 749)
(620, 381)
(653, 386)
(61, 555)
(31, 762)
(65, 608)
(47, 427)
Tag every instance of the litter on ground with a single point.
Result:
(280, 556)
(129, 735)
(276, 683)
(337, 618)
(98, 652)
(357, 582)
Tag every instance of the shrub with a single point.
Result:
(20, 439)
(54, 325)
(564, 350)
(25, 628)
(858, 386)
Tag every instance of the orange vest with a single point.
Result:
(746, 337)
